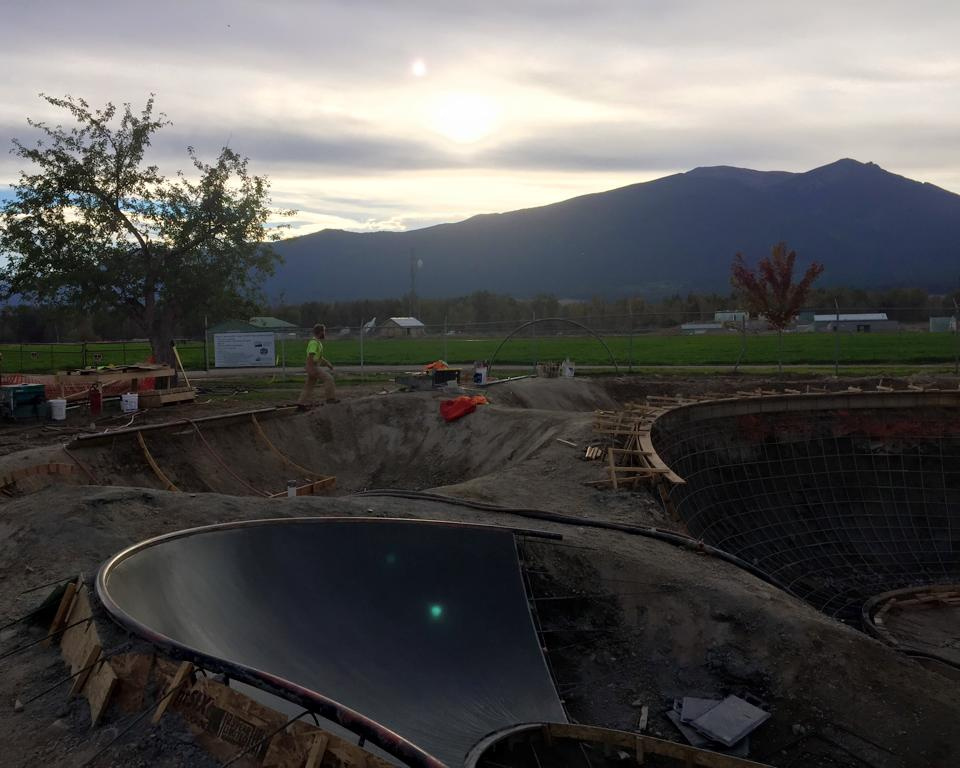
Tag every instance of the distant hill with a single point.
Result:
(872, 229)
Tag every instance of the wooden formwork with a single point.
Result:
(224, 721)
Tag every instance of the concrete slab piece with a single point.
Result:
(693, 707)
(696, 739)
(731, 720)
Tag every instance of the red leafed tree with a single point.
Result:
(770, 290)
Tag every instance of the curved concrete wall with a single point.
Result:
(835, 497)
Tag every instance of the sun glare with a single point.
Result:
(418, 68)
(463, 117)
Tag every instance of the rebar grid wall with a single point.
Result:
(834, 504)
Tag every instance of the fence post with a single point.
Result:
(444, 338)
(21, 359)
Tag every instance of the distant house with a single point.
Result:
(272, 324)
(737, 316)
(395, 327)
(280, 327)
(695, 329)
(855, 322)
(233, 326)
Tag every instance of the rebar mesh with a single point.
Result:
(835, 507)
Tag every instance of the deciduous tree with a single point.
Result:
(94, 225)
(770, 289)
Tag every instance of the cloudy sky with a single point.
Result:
(379, 114)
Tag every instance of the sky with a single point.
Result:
(378, 114)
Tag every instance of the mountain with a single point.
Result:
(871, 228)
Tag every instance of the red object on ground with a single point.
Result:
(96, 401)
(150, 383)
(451, 410)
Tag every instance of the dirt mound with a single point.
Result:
(396, 442)
(582, 395)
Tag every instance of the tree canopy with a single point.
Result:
(770, 289)
(93, 225)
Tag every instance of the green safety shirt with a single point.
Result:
(316, 348)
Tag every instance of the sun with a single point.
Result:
(418, 68)
(463, 117)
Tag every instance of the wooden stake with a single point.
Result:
(168, 485)
(63, 610)
(176, 354)
(182, 676)
(317, 750)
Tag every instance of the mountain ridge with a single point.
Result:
(679, 233)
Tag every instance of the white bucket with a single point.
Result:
(480, 374)
(567, 368)
(130, 402)
(58, 409)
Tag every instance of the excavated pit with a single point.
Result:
(398, 442)
(836, 498)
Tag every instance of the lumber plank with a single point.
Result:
(677, 751)
(168, 485)
(317, 751)
(63, 610)
(81, 680)
(98, 690)
(182, 676)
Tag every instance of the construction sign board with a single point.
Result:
(243, 350)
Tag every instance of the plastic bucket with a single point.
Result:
(130, 402)
(58, 410)
(480, 374)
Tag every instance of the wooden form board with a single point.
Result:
(641, 746)
(160, 397)
(631, 458)
(133, 374)
(323, 485)
(224, 721)
(80, 647)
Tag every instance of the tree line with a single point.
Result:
(31, 323)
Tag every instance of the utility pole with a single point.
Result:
(415, 265)
(956, 336)
(836, 341)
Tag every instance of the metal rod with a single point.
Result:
(100, 658)
(130, 726)
(269, 736)
(17, 650)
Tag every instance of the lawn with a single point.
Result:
(640, 350)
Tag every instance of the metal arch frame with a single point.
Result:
(527, 324)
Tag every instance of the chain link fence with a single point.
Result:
(635, 341)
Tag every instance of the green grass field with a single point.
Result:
(905, 348)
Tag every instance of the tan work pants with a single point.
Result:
(321, 374)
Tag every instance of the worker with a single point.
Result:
(315, 360)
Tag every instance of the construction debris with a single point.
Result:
(730, 721)
(719, 724)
